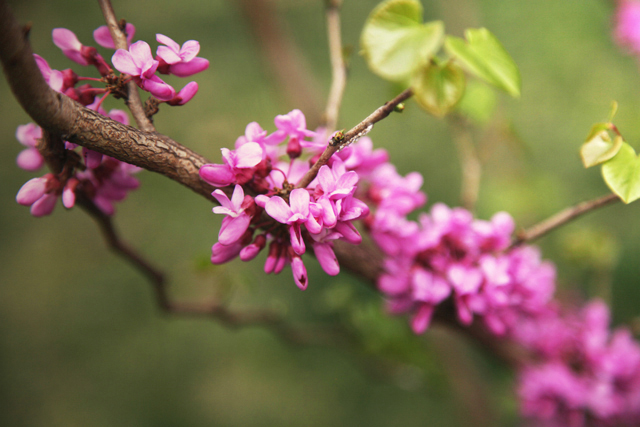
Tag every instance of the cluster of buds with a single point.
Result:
(102, 179)
(266, 202)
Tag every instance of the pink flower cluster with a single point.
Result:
(627, 25)
(264, 170)
(171, 58)
(584, 374)
(448, 255)
(104, 180)
(136, 62)
(579, 374)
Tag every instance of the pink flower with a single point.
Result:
(180, 61)
(67, 41)
(294, 215)
(138, 63)
(335, 183)
(235, 163)
(237, 220)
(102, 36)
(293, 126)
(28, 135)
(54, 78)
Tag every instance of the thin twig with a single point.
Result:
(214, 310)
(562, 218)
(349, 137)
(338, 66)
(120, 40)
(469, 163)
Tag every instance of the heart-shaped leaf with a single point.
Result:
(622, 174)
(598, 148)
(483, 55)
(395, 42)
(438, 87)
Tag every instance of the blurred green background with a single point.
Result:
(82, 342)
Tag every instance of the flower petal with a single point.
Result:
(299, 200)
(31, 191)
(248, 155)
(232, 229)
(217, 175)
(189, 50)
(44, 205)
(123, 62)
(278, 209)
(327, 258)
(30, 159)
(186, 69)
(299, 273)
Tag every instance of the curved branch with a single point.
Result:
(63, 117)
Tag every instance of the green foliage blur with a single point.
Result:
(82, 342)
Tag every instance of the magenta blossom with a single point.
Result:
(235, 162)
(67, 41)
(179, 61)
(54, 78)
(102, 35)
(237, 220)
(139, 63)
(294, 215)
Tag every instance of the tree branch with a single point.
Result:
(561, 218)
(350, 137)
(338, 67)
(133, 96)
(68, 120)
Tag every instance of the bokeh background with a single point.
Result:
(82, 341)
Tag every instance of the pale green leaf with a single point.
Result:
(599, 149)
(438, 87)
(485, 57)
(622, 174)
(395, 42)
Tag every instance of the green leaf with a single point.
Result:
(395, 42)
(598, 148)
(622, 174)
(483, 55)
(478, 102)
(438, 87)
